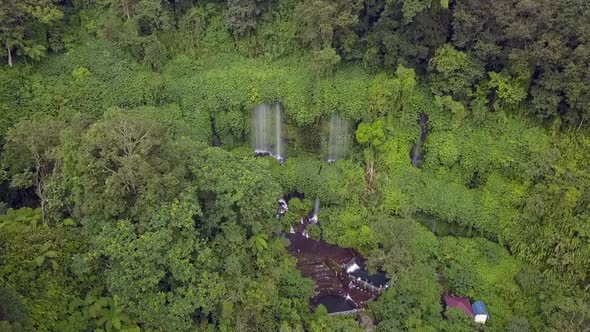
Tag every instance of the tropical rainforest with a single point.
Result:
(131, 199)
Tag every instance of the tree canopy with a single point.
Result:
(131, 200)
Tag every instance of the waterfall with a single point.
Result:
(267, 139)
(417, 151)
(316, 211)
(278, 133)
(338, 139)
(260, 130)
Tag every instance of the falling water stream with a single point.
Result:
(417, 152)
(278, 110)
(338, 139)
(260, 130)
(313, 219)
(267, 131)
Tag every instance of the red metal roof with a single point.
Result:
(462, 303)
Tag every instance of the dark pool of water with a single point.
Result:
(339, 274)
(334, 303)
(326, 264)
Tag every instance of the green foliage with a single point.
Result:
(322, 322)
(457, 320)
(412, 7)
(443, 148)
(454, 73)
(24, 215)
(159, 268)
(413, 303)
(80, 73)
(484, 271)
(154, 54)
(242, 16)
(162, 245)
(37, 272)
(314, 231)
(108, 315)
(348, 227)
(510, 91)
(137, 222)
(458, 111)
(30, 156)
(193, 26)
(381, 94)
(20, 21)
(319, 20)
(371, 134)
(556, 206)
(406, 32)
(129, 157)
(325, 60)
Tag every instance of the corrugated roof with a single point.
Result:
(462, 303)
(479, 308)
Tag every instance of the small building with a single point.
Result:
(461, 303)
(480, 312)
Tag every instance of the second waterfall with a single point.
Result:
(267, 131)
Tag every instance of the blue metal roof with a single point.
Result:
(479, 308)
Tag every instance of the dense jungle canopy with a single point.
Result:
(131, 200)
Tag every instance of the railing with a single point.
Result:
(347, 312)
(367, 285)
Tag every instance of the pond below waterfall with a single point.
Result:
(334, 303)
(339, 274)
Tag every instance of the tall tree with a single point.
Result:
(131, 158)
(322, 21)
(454, 73)
(242, 16)
(29, 155)
(17, 20)
(135, 24)
(406, 32)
